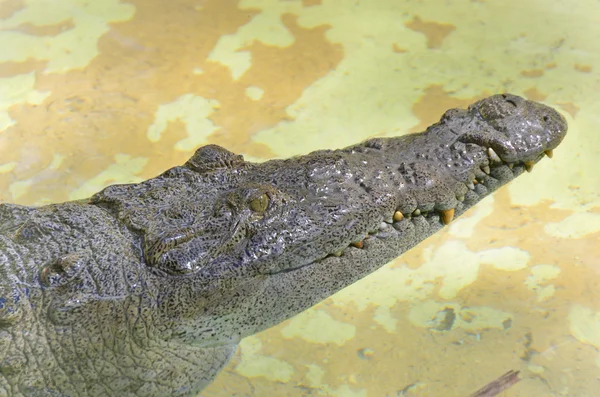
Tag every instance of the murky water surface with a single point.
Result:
(99, 92)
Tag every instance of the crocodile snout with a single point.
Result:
(518, 130)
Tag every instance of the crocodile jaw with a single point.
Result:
(347, 212)
(433, 176)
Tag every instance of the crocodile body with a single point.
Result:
(146, 289)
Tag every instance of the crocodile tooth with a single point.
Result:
(398, 216)
(486, 169)
(416, 212)
(461, 197)
(447, 216)
(529, 165)
(549, 153)
(357, 244)
(383, 225)
(493, 156)
(471, 186)
(337, 253)
(475, 182)
(511, 165)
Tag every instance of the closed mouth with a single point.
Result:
(488, 177)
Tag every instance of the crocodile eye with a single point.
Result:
(260, 204)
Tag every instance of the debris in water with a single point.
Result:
(499, 385)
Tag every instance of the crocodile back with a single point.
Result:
(78, 311)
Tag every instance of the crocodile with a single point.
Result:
(146, 289)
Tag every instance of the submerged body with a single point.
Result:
(146, 289)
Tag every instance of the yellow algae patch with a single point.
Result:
(369, 92)
(57, 160)
(314, 375)
(124, 170)
(319, 327)
(282, 73)
(540, 275)
(226, 53)
(19, 188)
(14, 90)
(253, 364)
(585, 325)
(113, 101)
(8, 167)
(333, 112)
(505, 258)
(384, 317)
(448, 315)
(347, 391)
(448, 268)
(314, 378)
(453, 263)
(383, 289)
(458, 267)
(536, 369)
(266, 27)
(194, 112)
(69, 49)
(45, 30)
(465, 226)
(576, 225)
(254, 93)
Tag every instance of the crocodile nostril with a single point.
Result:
(512, 102)
(546, 118)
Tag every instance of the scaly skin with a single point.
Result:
(146, 289)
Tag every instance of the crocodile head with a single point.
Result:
(252, 244)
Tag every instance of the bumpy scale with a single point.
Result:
(146, 289)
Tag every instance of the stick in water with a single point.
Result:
(499, 385)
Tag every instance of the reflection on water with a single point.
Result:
(94, 93)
